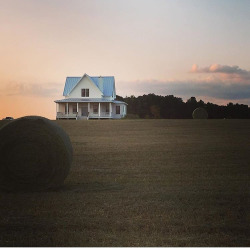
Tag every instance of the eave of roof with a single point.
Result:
(89, 100)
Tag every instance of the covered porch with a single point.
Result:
(90, 108)
(84, 110)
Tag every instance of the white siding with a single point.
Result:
(85, 83)
(123, 111)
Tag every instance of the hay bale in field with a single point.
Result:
(200, 113)
(35, 154)
(3, 122)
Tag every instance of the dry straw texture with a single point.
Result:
(200, 113)
(35, 154)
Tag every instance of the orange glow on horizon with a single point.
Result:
(18, 106)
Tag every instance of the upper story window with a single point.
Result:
(85, 92)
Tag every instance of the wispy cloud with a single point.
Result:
(234, 91)
(29, 89)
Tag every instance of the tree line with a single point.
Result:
(153, 106)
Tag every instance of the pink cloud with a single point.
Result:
(224, 72)
(194, 68)
(221, 83)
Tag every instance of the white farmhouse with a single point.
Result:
(90, 97)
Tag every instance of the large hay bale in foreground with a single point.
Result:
(3, 122)
(200, 113)
(35, 154)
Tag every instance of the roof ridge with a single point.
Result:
(89, 76)
(102, 76)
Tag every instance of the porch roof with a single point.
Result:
(89, 100)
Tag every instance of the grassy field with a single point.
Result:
(142, 183)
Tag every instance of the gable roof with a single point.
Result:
(70, 83)
(106, 84)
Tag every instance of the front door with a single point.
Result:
(84, 111)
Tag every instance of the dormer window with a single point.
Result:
(85, 92)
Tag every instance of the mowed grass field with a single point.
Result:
(142, 183)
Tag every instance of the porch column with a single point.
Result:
(88, 110)
(99, 109)
(67, 109)
(77, 111)
(56, 109)
(110, 109)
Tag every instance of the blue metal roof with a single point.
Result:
(70, 84)
(105, 83)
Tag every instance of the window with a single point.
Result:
(117, 110)
(95, 108)
(74, 108)
(85, 92)
(107, 108)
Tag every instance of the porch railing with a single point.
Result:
(61, 115)
(102, 114)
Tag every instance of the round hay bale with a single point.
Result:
(35, 154)
(4, 122)
(200, 113)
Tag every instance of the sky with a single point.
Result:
(168, 47)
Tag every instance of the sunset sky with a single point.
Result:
(182, 47)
